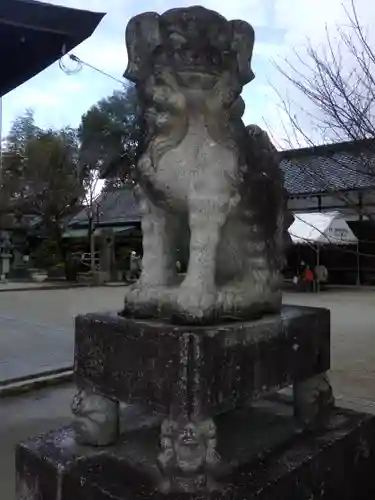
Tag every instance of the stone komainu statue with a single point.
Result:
(202, 174)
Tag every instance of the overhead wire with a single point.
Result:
(80, 63)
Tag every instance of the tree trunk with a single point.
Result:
(63, 253)
(54, 229)
(91, 239)
(92, 251)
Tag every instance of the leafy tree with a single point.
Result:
(23, 129)
(109, 134)
(42, 175)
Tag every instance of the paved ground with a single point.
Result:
(36, 327)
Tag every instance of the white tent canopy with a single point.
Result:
(321, 229)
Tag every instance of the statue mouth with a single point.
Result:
(197, 77)
(191, 69)
(189, 441)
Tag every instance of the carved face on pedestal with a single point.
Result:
(190, 448)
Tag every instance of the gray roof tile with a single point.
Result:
(307, 171)
(338, 167)
(116, 206)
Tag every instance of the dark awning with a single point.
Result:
(33, 35)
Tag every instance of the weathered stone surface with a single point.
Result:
(188, 459)
(198, 371)
(96, 418)
(266, 460)
(313, 401)
(202, 173)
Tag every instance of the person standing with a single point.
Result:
(308, 279)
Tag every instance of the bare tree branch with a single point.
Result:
(334, 98)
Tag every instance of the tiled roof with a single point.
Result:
(32, 34)
(116, 206)
(333, 168)
(307, 171)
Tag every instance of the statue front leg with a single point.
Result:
(197, 294)
(158, 263)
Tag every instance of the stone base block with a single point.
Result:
(263, 457)
(200, 370)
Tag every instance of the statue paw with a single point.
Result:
(147, 300)
(140, 292)
(195, 302)
(133, 292)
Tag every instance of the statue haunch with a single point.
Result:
(202, 175)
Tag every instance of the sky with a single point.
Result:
(281, 26)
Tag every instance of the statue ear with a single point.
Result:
(142, 37)
(243, 37)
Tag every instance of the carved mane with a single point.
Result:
(162, 46)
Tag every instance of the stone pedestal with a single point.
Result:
(197, 418)
(268, 460)
(199, 371)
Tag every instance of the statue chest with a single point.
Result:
(197, 166)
